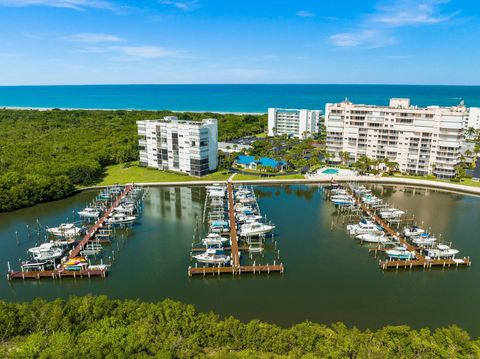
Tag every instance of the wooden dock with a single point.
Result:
(420, 260)
(57, 274)
(236, 268)
(62, 272)
(233, 226)
(99, 224)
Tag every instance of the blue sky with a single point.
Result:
(239, 41)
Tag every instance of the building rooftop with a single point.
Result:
(401, 104)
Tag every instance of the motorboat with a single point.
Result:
(391, 213)
(343, 200)
(89, 213)
(241, 208)
(255, 229)
(442, 251)
(372, 238)
(212, 256)
(362, 191)
(372, 200)
(338, 191)
(128, 208)
(66, 230)
(423, 240)
(248, 218)
(214, 239)
(365, 226)
(413, 231)
(400, 253)
(120, 219)
(46, 251)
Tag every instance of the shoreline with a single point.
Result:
(439, 186)
(30, 108)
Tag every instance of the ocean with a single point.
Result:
(228, 98)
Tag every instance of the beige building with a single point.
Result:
(421, 140)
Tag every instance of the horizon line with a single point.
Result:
(240, 84)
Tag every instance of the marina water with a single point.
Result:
(329, 276)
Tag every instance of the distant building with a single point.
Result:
(230, 147)
(182, 146)
(249, 162)
(295, 123)
(474, 118)
(421, 140)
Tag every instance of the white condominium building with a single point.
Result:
(421, 140)
(183, 146)
(474, 118)
(295, 123)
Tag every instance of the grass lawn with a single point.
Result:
(122, 174)
(261, 135)
(464, 181)
(241, 177)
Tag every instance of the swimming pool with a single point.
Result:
(330, 171)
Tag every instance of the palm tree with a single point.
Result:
(344, 157)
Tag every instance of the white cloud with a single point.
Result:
(411, 12)
(375, 30)
(362, 38)
(79, 5)
(181, 5)
(304, 13)
(142, 52)
(93, 37)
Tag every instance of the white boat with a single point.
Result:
(442, 251)
(255, 229)
(46, 251)
(365, 226)
(400, 253)
(423, 240)
(362, 191)
(212, 256)
(343, 200)
(391, 213)
(413, 231)
(371, 200)
(248, 218)
(89, 213)
(127, 208)
(119, 219)
(338, 191)
(214, 239)
(372, 238)
(66, 230)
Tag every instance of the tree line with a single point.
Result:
(45, 155)
(96, 327)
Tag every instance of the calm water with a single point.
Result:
(228, 98)
(329, 276)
